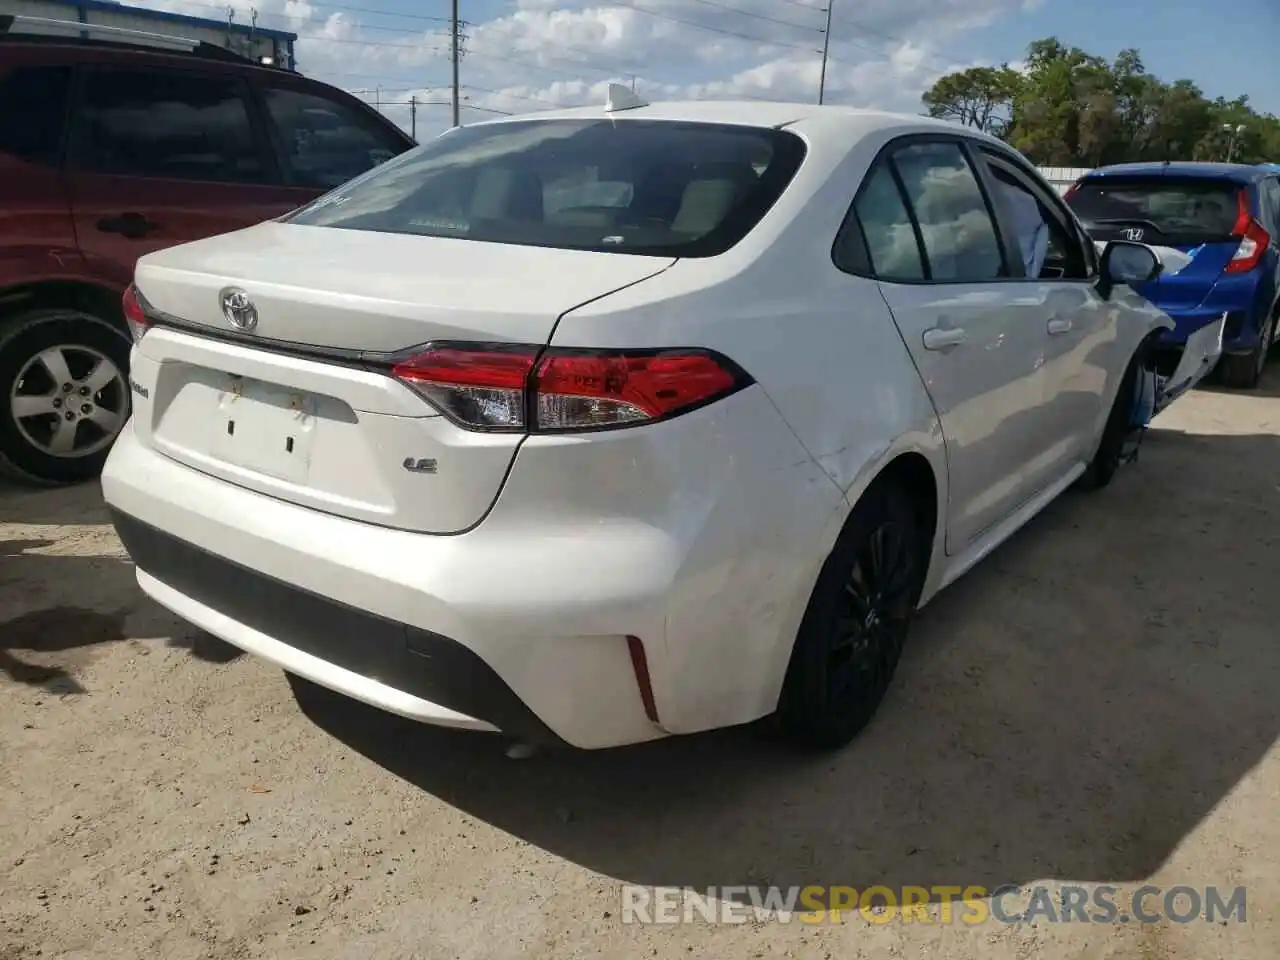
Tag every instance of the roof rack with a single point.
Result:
(25, 28)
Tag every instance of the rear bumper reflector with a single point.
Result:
(640, 664)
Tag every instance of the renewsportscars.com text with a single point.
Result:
(815, 904)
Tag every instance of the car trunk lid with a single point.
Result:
(303, 406)
(348, 290)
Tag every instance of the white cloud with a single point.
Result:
(541, 53)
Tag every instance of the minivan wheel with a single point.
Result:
(1244, 372)
(64, 394)
(853, 630)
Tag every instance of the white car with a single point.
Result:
(611, 424)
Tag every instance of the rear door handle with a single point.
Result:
(131, 225)
(1058, 325)
(944, 338)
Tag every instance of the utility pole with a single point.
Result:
(455, 30)
(826, 47)
(1231, 144)
(413, 116)
(377, 98)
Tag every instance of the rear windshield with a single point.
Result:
(1167, 211)
(660, 188)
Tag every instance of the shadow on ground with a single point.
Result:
(27, 503)
(71, 605)
(1071, 709)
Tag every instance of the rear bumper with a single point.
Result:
(522, 623)
(1240, 334)
(409, 671)
(474, 631)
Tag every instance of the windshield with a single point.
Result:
(1167, 211)
(654, 187)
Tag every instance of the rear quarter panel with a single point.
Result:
(823, 346)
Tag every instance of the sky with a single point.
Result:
(526, 55)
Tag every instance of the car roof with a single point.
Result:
(753, 113)
(1241, 173)
(58, 49)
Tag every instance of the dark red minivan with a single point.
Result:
(110, 150)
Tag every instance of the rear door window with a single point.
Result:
(327, 142)
(892, 245)
(33, 112)
(659, 188)
(1160, 210)
(961, 243)
(167, 124)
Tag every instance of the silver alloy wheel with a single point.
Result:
(81, 403)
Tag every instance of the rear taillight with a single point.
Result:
(1254, 239)
(499, 387)
(1071, 190)
(134, 313)
(476, 386)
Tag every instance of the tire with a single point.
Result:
(1244, 372)
(1106, 461)
(33, 442)
(849, 642)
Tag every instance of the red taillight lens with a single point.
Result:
(1254, 239)
(477, 386)
(516, 387)
(1071, 190)
(134, 313)
(590, 389)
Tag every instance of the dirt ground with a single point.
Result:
(1098, 703)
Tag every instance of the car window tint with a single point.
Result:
(584, 189)
(886, 224)
(654, 187)
(166, 124)
(1273, 197)
(33, 112)
(960, 240)
(1162, 210)
(1048, 251)
(326, 142)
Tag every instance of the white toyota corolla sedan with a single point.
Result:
(615, 423)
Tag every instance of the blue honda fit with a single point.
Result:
(1226, 217)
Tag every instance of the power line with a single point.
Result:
(711, 29)
(454, 37)
(758, 16)
(515, 96)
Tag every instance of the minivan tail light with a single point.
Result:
(515, 387)
(1254, 239)
(135, 314)
(1071, 190)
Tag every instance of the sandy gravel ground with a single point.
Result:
(1098, 703)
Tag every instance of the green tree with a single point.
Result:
(979, 97)
(1069, 107)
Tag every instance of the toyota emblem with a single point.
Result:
(238, 309)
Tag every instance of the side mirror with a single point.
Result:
(1124, 262)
